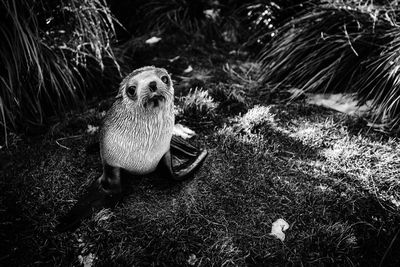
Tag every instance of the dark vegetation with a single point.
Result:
(52, 53)
(333, 179)
(346, 46)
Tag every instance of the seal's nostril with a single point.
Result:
(153, 86)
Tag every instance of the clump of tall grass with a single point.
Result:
(341, 47)
(198, 104)
(48, 51)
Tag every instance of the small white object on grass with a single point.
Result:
(188, 69)
(174, 59)
(102, 114)
(395, 201)
(92, 129)
(153, 40)
(278, 227)
(211, 14)
(87, 260)
(322, 187)
(192, 259)
(183, 131)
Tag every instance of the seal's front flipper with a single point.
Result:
(184, 170)
(103, 193)
(181, 147)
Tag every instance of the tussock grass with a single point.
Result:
(243, 75)
(230, 99)
(197, 104)
(50, 54)
(265, 18)
(340, 47)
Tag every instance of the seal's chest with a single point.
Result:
(138, 146)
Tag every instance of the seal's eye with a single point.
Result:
(131, 92)
(164, 79)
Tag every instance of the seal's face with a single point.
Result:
(147, 88)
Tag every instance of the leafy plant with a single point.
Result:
(340, 47)
(49, 53)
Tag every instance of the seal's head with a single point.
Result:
(147, 88)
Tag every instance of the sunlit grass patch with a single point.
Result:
(245, 132)
(318, 237)
(352, 161)
(372, 164)
(198, 104)
(256, 118)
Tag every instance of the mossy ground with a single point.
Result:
(335, 182)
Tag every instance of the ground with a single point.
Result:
(334, 180)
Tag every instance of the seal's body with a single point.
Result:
(136, 137)
(134, 144)
(137, 132)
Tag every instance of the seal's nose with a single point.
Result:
(153, 86)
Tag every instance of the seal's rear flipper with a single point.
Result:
(91, 202)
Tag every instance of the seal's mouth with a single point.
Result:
(154, 101)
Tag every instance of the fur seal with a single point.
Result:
(136, 137)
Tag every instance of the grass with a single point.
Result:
(52, 55)
(265, 18)
(198, 21)
(197, 104)
(329, 176)
(186, 16)
(340, 47)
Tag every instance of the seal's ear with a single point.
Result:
(119, 95)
